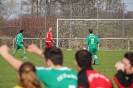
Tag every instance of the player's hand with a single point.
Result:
(53, 41)
(34, 49)
(120, 66)
(14, 39)
(4, 50)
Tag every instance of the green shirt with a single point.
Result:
(57, 78)
(19, 38)
(92, 40)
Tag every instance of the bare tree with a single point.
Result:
(8, 8)
(1, 8)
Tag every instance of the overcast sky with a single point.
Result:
(128, 3)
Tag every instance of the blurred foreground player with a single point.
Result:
(124, 75)
(87, 76)
(54, 75)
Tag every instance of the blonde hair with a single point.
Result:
(28, 77)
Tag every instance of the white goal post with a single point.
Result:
(97, 21)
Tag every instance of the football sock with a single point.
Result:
(96, 60)
(93, 59)
(13, 54)
(24, 54)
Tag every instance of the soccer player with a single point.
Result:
(87, 76)
(49, 40)
(19, 43)
(92, 40)
(54, 75)
(124, 76)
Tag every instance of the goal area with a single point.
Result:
(114, 34)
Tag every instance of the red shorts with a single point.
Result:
(49, 44)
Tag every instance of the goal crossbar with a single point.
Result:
(97, 19)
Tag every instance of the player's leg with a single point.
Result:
(22, 47)
(90, 49)
(96, 59)
(24, 52)
(14, 52)
(16, 48)
(95, 56)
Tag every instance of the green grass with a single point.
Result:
(107, 60)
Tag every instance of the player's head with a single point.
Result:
(27, 76)
(53, 56)
(21, 31)
(83, 59)
(128, 61)
(50, 28)
(90, 31)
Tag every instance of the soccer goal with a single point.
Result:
(115, 34)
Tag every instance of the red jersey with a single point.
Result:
(48, 36)
(89, 78)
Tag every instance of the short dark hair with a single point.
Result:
(90, 31)
(83, 58)
(54, 54)
(21, 31)
(129, 56)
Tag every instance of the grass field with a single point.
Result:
(107, 60)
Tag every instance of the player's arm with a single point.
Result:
(51, 38)
(86, 40)
(98, 40)
(14, 39)
(34, 49)
(15, 63)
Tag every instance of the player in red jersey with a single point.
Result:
(49, 40)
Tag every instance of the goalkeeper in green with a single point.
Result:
(19, 43)
(92, 40)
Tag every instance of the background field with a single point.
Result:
(107, 60)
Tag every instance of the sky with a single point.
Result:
(128, 3)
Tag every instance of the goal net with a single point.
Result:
(115, 34)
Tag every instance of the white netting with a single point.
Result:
(71, 33)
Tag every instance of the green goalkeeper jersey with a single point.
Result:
(57, 78)
(92, 40)
(19, 38)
